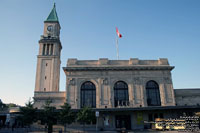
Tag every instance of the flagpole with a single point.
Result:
(117, 47)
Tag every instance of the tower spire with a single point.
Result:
(53, 17)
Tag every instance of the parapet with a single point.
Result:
(106, 62)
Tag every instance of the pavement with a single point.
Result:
(26, 130)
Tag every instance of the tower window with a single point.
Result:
(43, 50)
(46, 64)
(45, 77)
(51, 49)
(44, 89)
(47, 49)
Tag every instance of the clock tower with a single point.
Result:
(48, 59)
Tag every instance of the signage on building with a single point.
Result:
(97, 113)
(139, 118)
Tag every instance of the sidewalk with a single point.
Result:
(25, 130)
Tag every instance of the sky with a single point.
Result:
(151, 29)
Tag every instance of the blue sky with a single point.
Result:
(151, 29)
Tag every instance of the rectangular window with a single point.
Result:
(47, 49)
(51, 49)
(43, 50)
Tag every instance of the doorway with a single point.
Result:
(123, 121)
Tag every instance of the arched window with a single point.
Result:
(121, 94)
(88, 94)
(153, 94)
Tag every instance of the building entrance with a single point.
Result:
(123, 121)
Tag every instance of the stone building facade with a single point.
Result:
(104, 74)
(125, 92)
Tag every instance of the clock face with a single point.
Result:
(49, 28)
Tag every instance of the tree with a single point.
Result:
(66, 116)
(86, 116)
(10, 105)
(48, 116)
(2, 106)
(28, 114)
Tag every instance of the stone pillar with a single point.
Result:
(112, 96)
(46, 49)
(78, 93)
(71, 92)
(109, 94)
(169, 94)
(131, 95)
(104, 92)
(54, 49)
(143, 96)
(41, 49)
(138, 92)
(98, 93)
(162, 94)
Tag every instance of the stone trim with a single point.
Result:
(48, 56)
(50, 40)
(118, 68)
(106, 62)
(46, 98)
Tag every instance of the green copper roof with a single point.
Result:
(53, 15)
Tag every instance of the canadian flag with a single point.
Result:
(119, 35)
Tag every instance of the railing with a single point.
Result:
(122, 104)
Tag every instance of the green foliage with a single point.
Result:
(28, 114)
(49, 115)
(86, 115)
(10, 105)
(2, 106)
(66, 116)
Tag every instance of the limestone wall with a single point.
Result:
(187, 97)
(77, 72)
(57, 99)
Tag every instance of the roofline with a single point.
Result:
(100, 68)
(46, 21)
(188, 89)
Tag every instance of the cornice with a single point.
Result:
(47, 56)
(118, 68)
(47, 98)
(49, 40)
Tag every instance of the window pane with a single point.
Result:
(88, 94)
(153, 94)
(121, 94)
